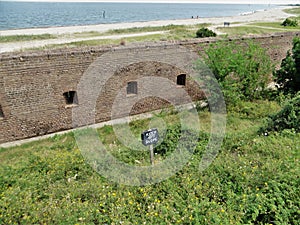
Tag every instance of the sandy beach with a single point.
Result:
(271, 15)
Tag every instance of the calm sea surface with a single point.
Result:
(15, 15)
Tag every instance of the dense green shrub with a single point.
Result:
(289, 23)
(288, 76)
(205, 32)
(242, 70)
(287, 118)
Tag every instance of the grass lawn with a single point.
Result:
(246, 30)
(276, 25)
(256, 28)
(295, 11)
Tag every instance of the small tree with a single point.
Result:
(288, 76)
(204, 32)
(242, 69)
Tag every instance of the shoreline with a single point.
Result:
(66, 35)
(269, 15)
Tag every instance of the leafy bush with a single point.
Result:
(288, 76)
(241, 69)
(287, 118)
(205, 32)
(289, 23)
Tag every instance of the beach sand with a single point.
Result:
(270, 15)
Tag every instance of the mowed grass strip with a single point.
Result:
(295, 11)
(19, 38)
(183, 30)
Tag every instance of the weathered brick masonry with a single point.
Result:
(37, 89)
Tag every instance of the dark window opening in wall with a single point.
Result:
(132, 87)
(1, 112)
(181, 79)
(71, 98)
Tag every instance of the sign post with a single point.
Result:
(151, 154)
(149, 138)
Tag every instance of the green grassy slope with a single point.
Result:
(253, 180)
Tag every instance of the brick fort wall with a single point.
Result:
(39, 90)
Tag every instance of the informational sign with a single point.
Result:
(150, 137)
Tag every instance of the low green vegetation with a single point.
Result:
(243, 71)
(205, 32)
(244, 30)
(287, 79)
(175, 32)
(16, 38)
(289, 23)
(253, 180)
(151, 29)
(255, 29)
(294, 20)
(274, 25)
(287, 118)
(135, 30)
(169, 33)
(83, 34)
(295, 11)
(120, 41)
(180, 33)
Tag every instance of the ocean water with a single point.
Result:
(16, 15)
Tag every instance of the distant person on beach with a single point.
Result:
(103, 14)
